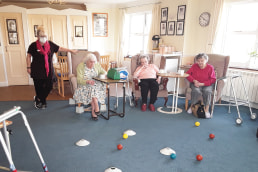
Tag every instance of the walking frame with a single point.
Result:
(233, 100)
(6, 142)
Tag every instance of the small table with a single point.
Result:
(176, 76)
(111, 81)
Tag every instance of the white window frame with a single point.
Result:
(142, 34)
(223, 37)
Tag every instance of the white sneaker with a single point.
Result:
(190, 110)
(207, 115)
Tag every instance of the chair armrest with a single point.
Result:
(164, 82)
(73, 82)
(136, 83)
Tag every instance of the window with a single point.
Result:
(238, 34)
(138, 28)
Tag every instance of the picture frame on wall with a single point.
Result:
(11, 25)
(36, 30)
(163, 28)
(180, 28)
(171, 28)
(100, 24)
(164, 14)
(13, 38)
(181, 12)
(78, 31)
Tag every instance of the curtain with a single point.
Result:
(215, 23)
(154, 30)
(121, 39)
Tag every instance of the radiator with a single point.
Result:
(250, 81)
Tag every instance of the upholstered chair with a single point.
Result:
(220, 64)
(136, 89)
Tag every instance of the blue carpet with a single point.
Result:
(57, 128)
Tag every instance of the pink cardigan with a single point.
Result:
(145, 73)
(206, 75)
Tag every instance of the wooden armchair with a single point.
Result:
(62, 73)
(136, 92)
(220, 64)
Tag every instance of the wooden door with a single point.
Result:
(58, 30)
(14, 48)
(79, 32)
(35, 20)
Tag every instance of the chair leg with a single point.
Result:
(220, 101)
(58, 84)
(186, 104)
(62, 84)
(136, 101)
(166, 100)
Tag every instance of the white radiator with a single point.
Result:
(250, 81)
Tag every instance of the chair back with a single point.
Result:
(159, 61)
(63, 67)
(75, 59)
(104, 61)
(220, 64)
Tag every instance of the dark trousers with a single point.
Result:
(43, 88)
(146, 85)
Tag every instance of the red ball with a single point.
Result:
(199, 157)
(212, 136)
(119, 146)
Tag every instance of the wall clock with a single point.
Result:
(204, 19)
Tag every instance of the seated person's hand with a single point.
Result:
(91, 82)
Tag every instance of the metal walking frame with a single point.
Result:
(6, 142)
(233, 101)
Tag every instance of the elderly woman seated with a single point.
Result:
(202, 78)
(147, 73)
(90, 91)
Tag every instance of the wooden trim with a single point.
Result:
(31, 4)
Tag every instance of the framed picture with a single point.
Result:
(181, 12)
(163, 28)
(171, 28)
(36, 30)
(78, 31)
(164, 14)
(13, 38)
(180, 28)
(100, 24)
(11, 25)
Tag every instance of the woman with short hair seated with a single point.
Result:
(90, 91)
(202, 78)
(147, 73)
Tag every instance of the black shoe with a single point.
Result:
(38, 105)
(257, 133)
(94, 118)
(44, 106)
(97, 113)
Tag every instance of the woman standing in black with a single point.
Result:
(40, 66)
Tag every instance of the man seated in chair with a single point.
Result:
(90, 91)
(202, 78)
(147, 73)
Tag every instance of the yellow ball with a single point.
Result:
(197, 124)
(125, 136)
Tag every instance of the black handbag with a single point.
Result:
(198, 110)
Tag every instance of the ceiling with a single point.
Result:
(76, 4)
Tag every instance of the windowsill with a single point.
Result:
(245, 69)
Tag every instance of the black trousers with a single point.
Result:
(43, 88)
(146, 86)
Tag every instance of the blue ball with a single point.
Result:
(173, 156)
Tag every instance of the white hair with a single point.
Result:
(90, 56)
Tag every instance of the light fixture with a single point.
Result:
(56, 2)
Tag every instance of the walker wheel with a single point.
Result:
(239, 121)
(253, 116)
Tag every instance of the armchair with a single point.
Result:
(220, 64)
(136, 90)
